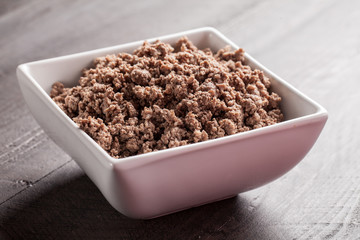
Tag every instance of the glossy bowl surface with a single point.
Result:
(158, 183)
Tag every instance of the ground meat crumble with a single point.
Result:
(162, 97)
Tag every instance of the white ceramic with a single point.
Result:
(158, 183)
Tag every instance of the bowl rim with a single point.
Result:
(320, 112)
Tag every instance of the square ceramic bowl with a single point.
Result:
(158, 183)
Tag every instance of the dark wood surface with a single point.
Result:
(314, 45)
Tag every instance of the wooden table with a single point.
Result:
(314, 45)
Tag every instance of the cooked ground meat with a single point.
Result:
(162, 97)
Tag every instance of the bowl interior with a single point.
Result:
(67, 69)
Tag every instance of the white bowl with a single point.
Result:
(158, 183)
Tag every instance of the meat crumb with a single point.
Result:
(161, 97)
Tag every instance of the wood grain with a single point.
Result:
(314, 45)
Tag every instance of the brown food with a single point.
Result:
(160, 97)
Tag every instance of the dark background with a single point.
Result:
(314, 45)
